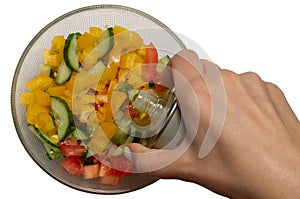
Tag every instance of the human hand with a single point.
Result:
(257, 152)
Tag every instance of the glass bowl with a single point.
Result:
(150, 29)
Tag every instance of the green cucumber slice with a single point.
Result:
(106, 42)
(52, 152)
(63, 73)
(62, 116)
(42, 136)
(71, 52)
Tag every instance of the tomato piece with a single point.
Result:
(121, 166)
(72, 165)
(131, 112)
(151, 55)
(160, 88)
(149, 70)
(71, 148)
(91, 171)
(110, 180)
(105, 170)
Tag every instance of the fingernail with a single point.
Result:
(127, 153)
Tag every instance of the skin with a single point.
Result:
(257, 154)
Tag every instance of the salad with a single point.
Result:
(95, 93)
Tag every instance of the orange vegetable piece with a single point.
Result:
(42, 98)
(86, 40)
(41, 82)
(96, 32)
(33, 110)
(57, 91)
(109, 129)
(27, 98)
(110, 72)
(53, 57)
(44, 122)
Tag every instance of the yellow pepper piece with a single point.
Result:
(119, 29)
(96, 32)
(70, 84)
(57, 91)
(27, 98)
(129, 60)
(101, 114)
(33, 110)
(44, 122)
(86, 40)
(89, 57)
(122, 72)
(41, 82)
(110, 72)
(109, 129)
(42, 98)
(53, 57)
(58, 44)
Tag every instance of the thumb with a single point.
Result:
(141, 156)
(160, 163)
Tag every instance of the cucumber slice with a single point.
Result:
(106, 42)
(63, 73)
(42, 136)
(62, 116)
(119, 137)
(164, 60)
(70, 52)
(52, 152)
(162, 63)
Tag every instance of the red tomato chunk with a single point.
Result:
(72, 165)
(71, 148)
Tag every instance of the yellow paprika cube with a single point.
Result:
(42, 98)
(85, 40)
(41, 82)
(58, 44)
(101, 114)
(57, 91)
(27, 98)
(110, 72)
(33, 110)
(118, 29)
(129, 60)
(109, 129)
(44, 122)
(52, 59)
(96, 32)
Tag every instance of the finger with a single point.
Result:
(190, 87)
(188, 64)
(147, 161)
(156, 163)
(282, 106)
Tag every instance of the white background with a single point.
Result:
(260, 36)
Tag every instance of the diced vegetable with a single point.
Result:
(91, 171)
(41, 136)
(72, 165)
(110, 180)
(106, 42)
(62, 116)
(71, 52)
(71, 148)
(63, 73)
(41, 82)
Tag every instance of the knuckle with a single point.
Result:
(251, 76)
